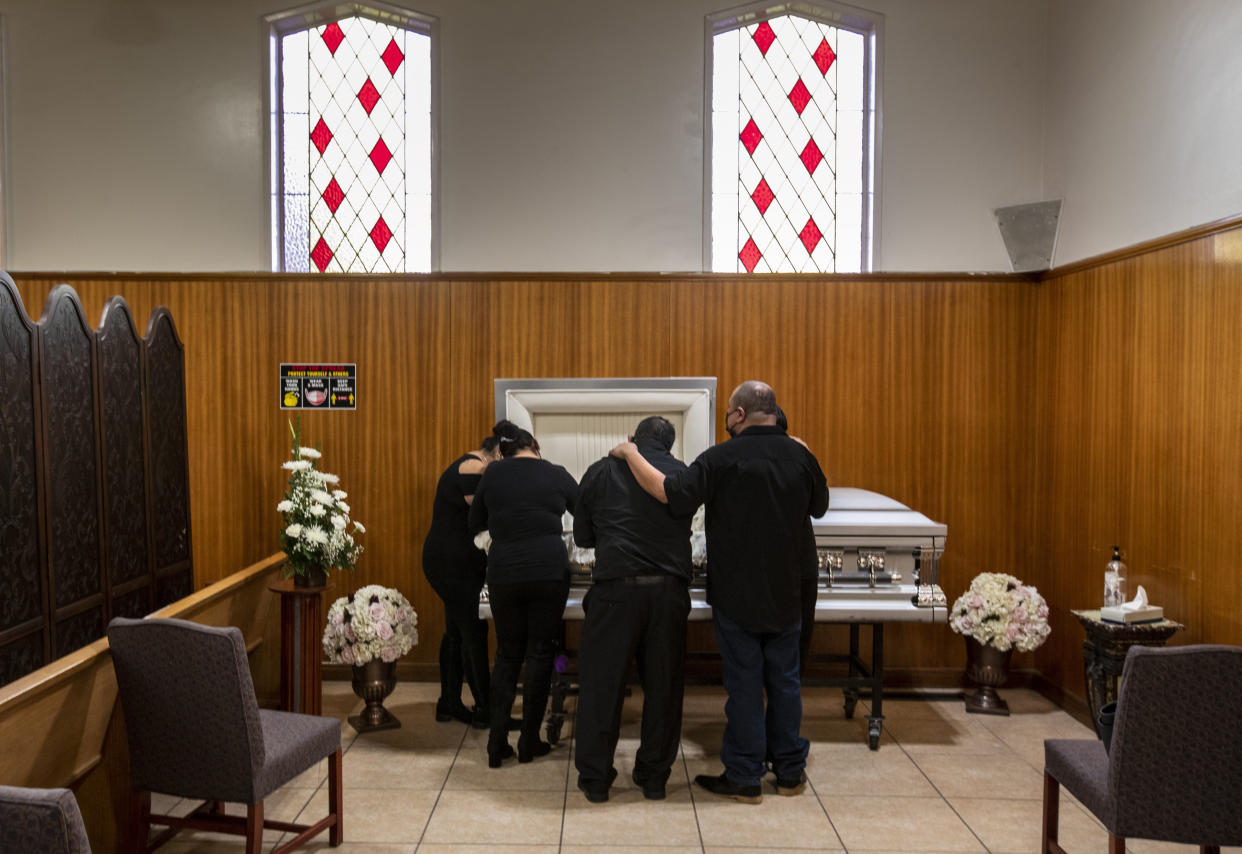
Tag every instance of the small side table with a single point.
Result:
(301, 647)
(1104, 653)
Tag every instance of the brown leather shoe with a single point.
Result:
(789, 788)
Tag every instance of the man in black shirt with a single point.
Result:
(759, 489)
(636, 608)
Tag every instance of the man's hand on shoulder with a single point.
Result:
(624, 450)
(800, 442)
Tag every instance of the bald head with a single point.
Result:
(757, 403)
(755, 397)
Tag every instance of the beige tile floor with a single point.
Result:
(942, 780)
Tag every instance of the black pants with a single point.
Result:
(809, 592)
(463, 648)
(528, 627)
(643, 618)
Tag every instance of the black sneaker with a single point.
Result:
(789, 788)
(726, 788)
(651, 791)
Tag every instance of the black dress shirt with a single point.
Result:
(760, 488)
(632, 533)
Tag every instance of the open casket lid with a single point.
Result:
(859, 513)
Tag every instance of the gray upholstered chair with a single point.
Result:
(1174, 772)
(196, 731)
(44, 820)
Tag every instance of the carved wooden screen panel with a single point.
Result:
(94, 475)
(70, 436)
(124, 461)
(22, 627)
(170, 465)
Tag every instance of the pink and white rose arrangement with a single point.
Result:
(1000, 611)
(374, 622)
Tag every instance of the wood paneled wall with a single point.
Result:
(1042, 421)
(1139, 439)
(915, 387)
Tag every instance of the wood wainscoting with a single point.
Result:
(913, 386)
(1042, 418)
(1139, 389)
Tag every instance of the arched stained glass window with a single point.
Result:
(793, 138)
(352, 129)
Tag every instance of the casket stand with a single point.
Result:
(878, 563)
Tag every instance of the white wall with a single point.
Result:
(571, 133)
(1144, 119)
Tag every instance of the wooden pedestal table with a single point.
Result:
(1104, 653)
(301, 646)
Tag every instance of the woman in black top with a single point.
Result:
(521, 501)
(455, 567)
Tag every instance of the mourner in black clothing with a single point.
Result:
(758, 488)
(636, 607)
(810, 575)
(455, 568)
(521, 500)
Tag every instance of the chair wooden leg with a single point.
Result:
(1052, 809)
(1116, 844)
(254, 828)
(139, 820)
(336, 834)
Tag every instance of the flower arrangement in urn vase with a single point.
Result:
(997, 615)
(369, 630)
(317, 534)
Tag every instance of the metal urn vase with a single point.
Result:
(373, 682)
(988, 668)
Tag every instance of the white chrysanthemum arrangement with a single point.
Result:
(318, 532)
(375, 622)
(1000, 611)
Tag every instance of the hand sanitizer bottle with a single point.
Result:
(1115, 580)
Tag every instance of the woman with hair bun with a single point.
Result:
(455, 568)
(521, 501)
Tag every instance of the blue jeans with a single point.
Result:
(755, 663)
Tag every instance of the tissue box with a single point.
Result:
(1146, 614)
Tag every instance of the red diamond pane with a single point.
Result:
(321, 136)
(750, 136)
(321, 255)
(333, 195)
(368, 96)
(332, 37)
(811, 156)
(380, 155)
(762, 196)
(380, 234)
(810, 235)
(392, 57)
(750, 255)
(823, 56)
(764, 37)
(799, 96)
